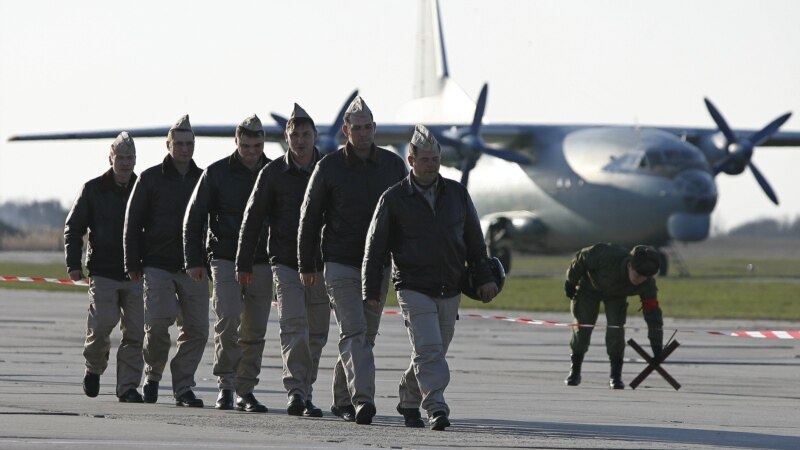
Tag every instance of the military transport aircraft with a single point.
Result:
(553, 188)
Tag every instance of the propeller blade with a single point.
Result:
(280, 120)
(507, 155)
(480, 107)
(466, 166)
(763, 182)
(337, 123)
(768, 130)
(720, 121)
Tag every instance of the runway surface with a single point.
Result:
(506, 390)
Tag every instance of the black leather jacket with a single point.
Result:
(217, 204)
(429, 249)
(100, 209)
(342, 195)
(275, 199)
(154, 219)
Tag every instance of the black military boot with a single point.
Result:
(616, 375)
(574, 377)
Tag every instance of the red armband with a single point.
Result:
(650, 304)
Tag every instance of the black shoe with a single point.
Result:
(311, 410)
(131, 396)
(296, 405)
(439, 421)
(91, 384)
(364, 413)
(616, 383)
(574, 377)
(189, 400)
(150, 391)
(347, 413)
(224, 400)
(412, 416)
(248, 403)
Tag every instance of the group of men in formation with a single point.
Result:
(321, 233)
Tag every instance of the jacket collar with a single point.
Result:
(408, 184)
(350, 157)
(108, 183)
(289, 164)
(235, 163)
(168, 168)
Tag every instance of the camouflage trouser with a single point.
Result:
(304, 315)
(430, 323)
(241, 325)
(114, 302)
(354, 373)
(171, 297)
(585, 310)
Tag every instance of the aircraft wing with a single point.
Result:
(273, 133)
(695, 135)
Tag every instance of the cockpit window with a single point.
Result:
(662, 162)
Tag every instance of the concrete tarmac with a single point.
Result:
(506, 390)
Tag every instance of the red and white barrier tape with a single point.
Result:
(44, 280)
(764, 334)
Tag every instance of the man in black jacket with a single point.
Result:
(304, 311)
(100, 209)
(218, 204)
(430, 227)
(342, 195)
(154, 248)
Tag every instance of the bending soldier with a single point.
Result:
(609, 274)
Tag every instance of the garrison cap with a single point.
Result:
(182, 124)
(358, 107)
(423, 139)
(299, 113)
(645, 260)
(252, 124)
(123, 142)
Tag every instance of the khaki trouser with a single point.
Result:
(115, 302)
(304, 314)
(241, 325)
(585, 310)
(171, 297)
(354, 373)
(430, 323)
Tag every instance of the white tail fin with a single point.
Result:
(437, 98)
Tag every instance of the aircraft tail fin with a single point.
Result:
(437, 98)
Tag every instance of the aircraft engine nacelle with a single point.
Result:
(451, 157)
(688, 227)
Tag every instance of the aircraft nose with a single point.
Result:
(698, 190)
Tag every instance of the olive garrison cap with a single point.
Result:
(645, 260)
(358, 107)
(423, 139)
(252, 124)
(123, 142)
(182, 124)
(299, 113)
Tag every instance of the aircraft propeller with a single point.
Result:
(329, 141)
(739, 151)
(469, 144)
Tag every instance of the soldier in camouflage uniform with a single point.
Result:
(609, 274)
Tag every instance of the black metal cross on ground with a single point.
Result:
(654, 364)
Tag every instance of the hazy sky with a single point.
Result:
(88, 65)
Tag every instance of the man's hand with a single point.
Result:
(308, 279)
(487, 291)
(196, 273)
(372, 302)
(244, 278)
(135, 276)
(76, 275)
(570, 290)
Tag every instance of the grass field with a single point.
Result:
(717, 287)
